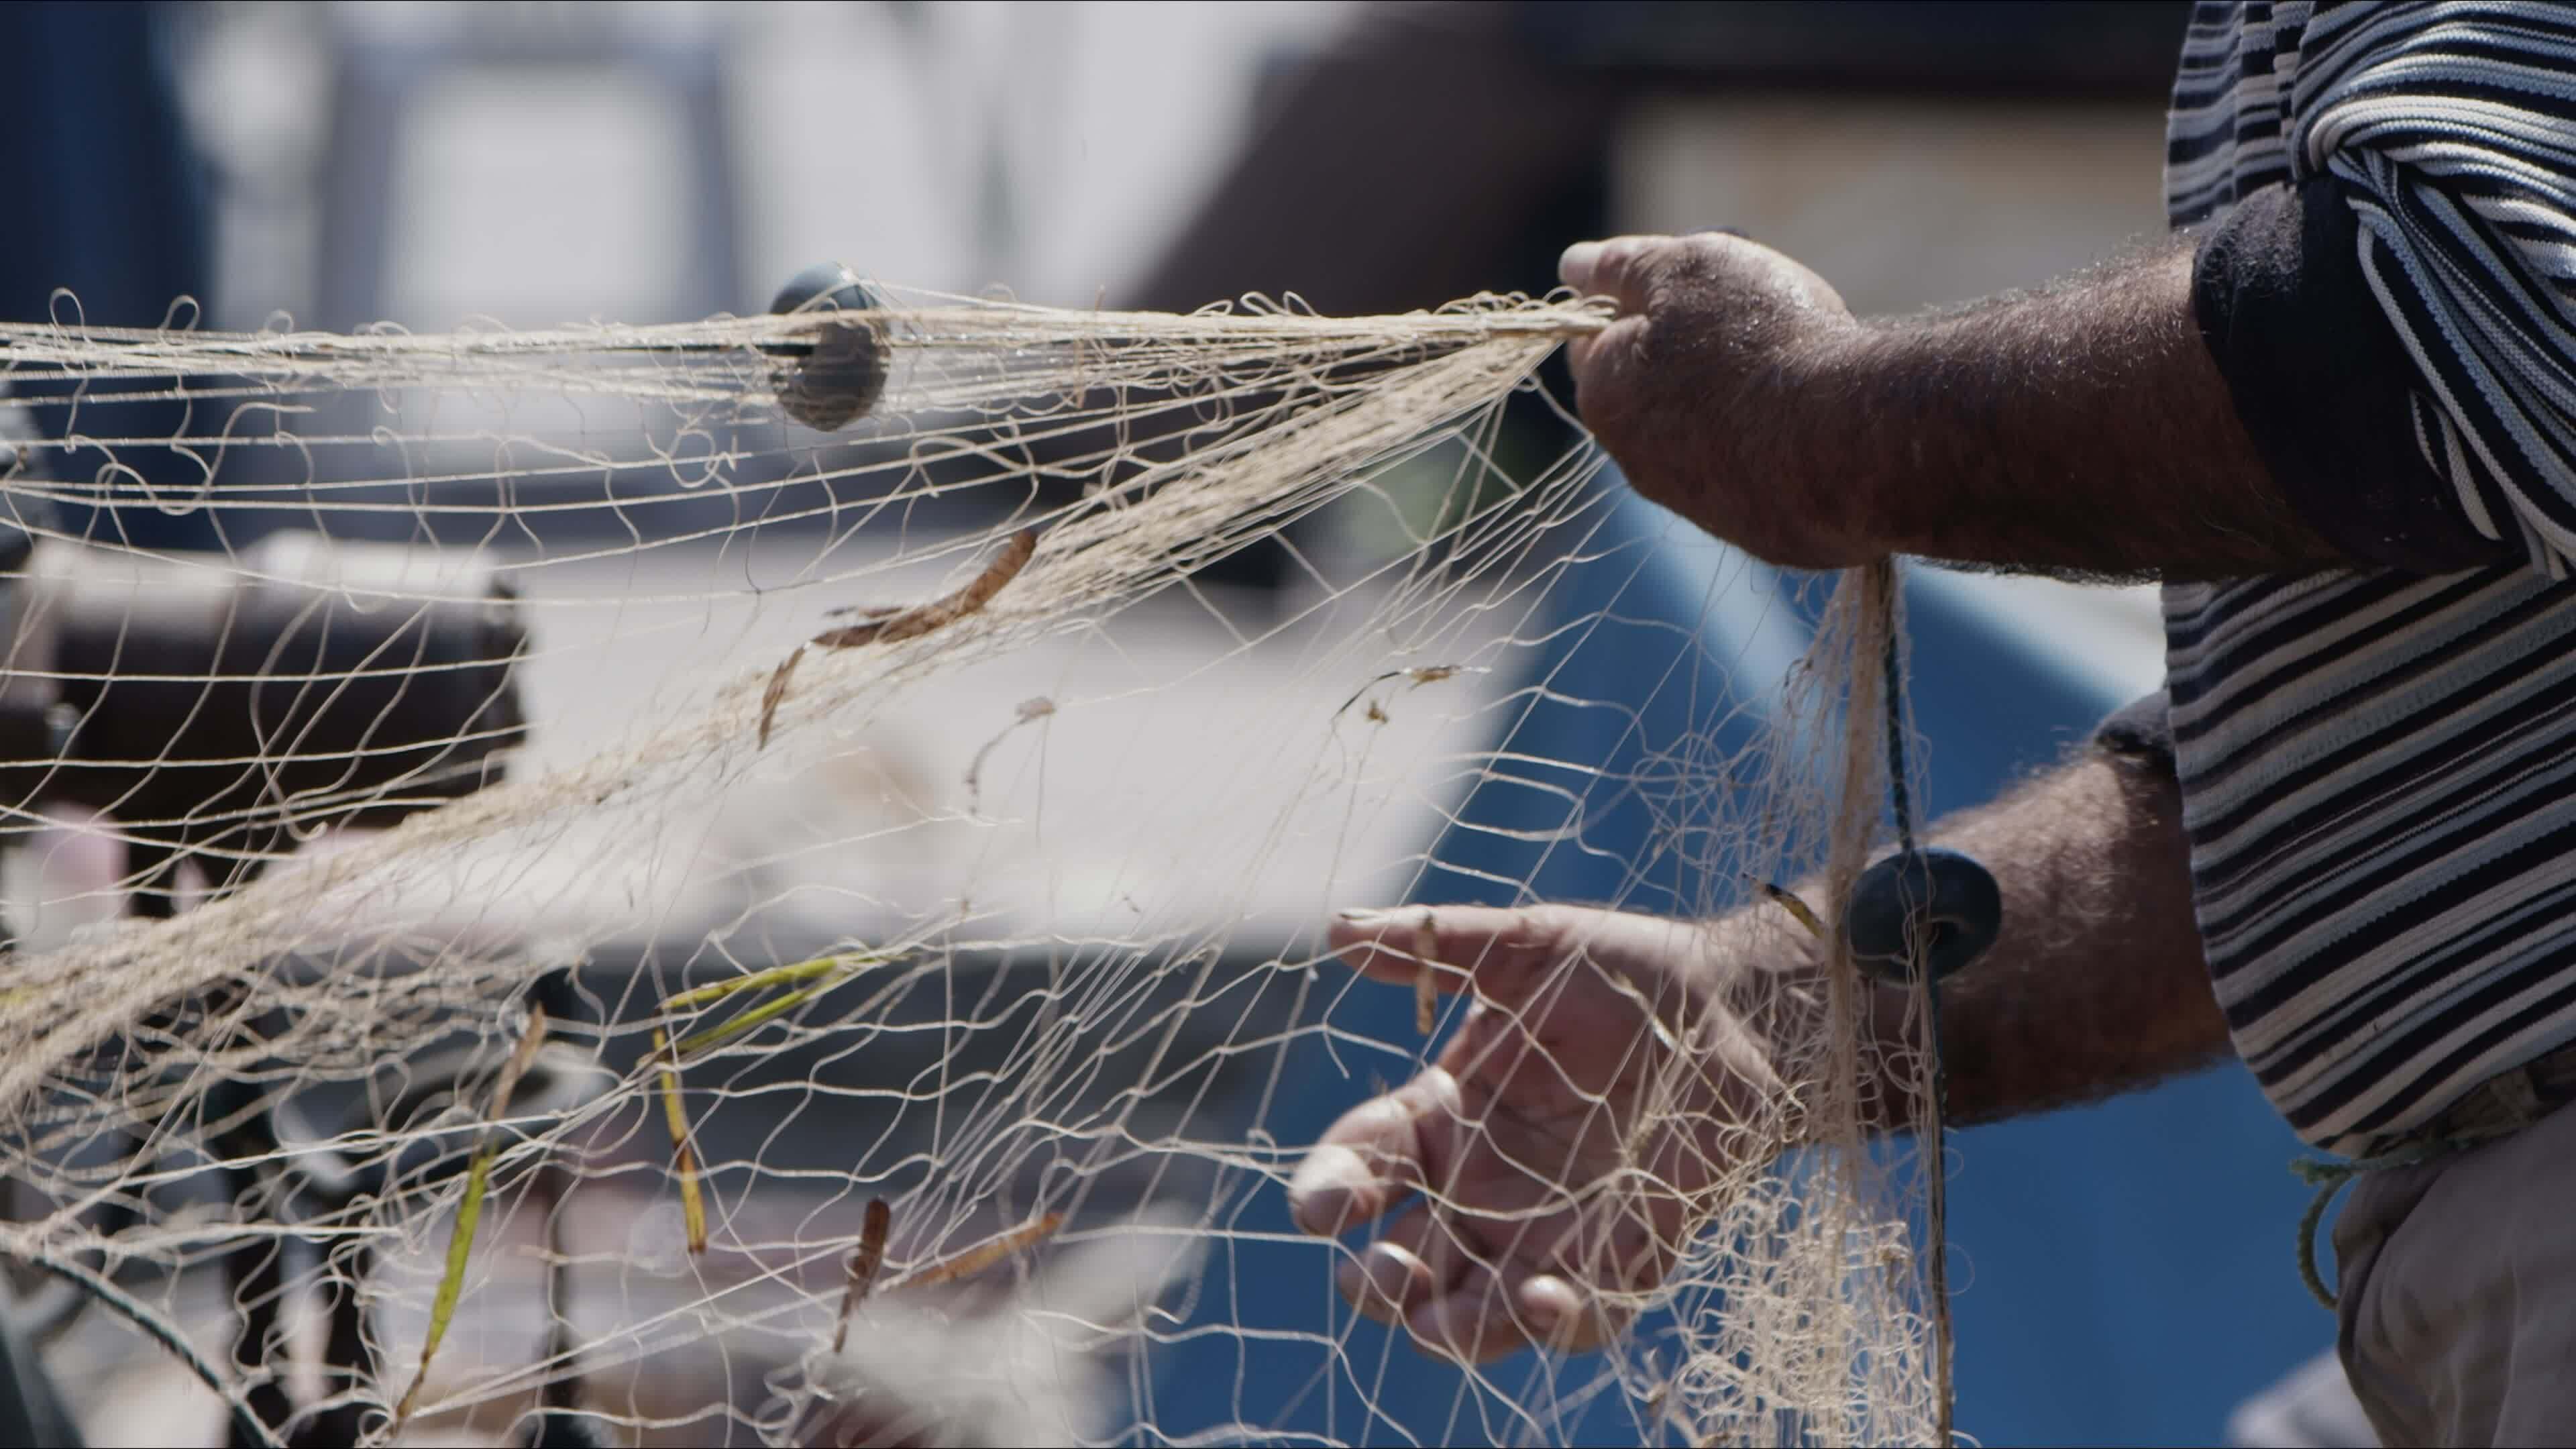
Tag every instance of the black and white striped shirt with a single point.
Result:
(2379, 766)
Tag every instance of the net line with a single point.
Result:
(1094, 466)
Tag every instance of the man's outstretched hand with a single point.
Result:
(1691, 388)
(1567, 1141)
(1616, 1069)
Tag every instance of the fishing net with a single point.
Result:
(764, 880)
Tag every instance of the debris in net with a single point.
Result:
(839, 376)
(1415, 677)
(891, 626)
(469, 1212)
(1426, 991)
(788, 975)
(684, 1166)
(1039, 707)
(832, 969)
(1788, 900)
(776, 691)
(863, 1266)
(976, 1259)
(752, 1020)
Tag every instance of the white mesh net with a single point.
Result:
(498, 891)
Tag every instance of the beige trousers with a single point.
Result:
(2459, 1292)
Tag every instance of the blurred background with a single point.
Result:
(2124, 1272)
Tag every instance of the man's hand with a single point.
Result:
(2081, 429)
(1715, 335)
(1567, 1141)
(1616, 1069)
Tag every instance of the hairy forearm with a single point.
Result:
(2082, 429)
(2097, 984)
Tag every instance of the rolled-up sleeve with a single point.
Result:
(2139, 733)
(2450, 132)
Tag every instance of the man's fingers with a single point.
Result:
(1416, 1261)
(1390, 945)
(1626, 268)
(1575, 268)
(1385, 1282)
(1613, 269)
(1562, 1317)
(1472, 1325)
(1373, 1157)
(1495, 1312)
(1513, 956)
(1421, 1276)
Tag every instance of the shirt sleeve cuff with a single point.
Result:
(2322, 384)
(2141, 733)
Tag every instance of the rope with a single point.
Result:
(1882, 596)
(2329, 1177)
(1900, 791)
(160, 1332)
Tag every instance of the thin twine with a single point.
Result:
(1900, 792)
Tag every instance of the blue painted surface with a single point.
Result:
(2123, 1272)
(107, 199)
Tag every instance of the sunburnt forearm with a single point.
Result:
(2081, 429)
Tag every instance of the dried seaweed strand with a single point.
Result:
(840, 967)
(752, 1020)
(1426, 990)
(864, 1264)
(469, 1212)
(976, 1259)
(684, 1166)
(1418, 676)
(890, 626)
(715, 991)
(776, 691)
(1788, 900)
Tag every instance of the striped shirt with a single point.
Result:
(2379, 766)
